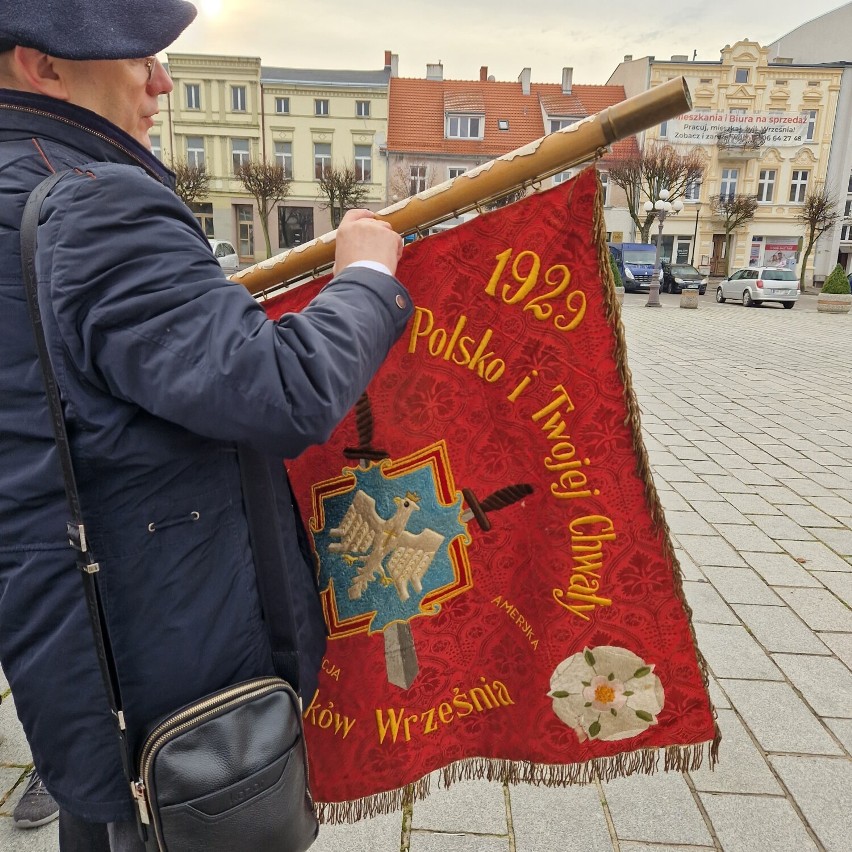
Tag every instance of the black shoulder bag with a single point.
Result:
(228, 772)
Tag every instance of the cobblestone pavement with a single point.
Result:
(747, 415)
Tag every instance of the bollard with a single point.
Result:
(689, 297)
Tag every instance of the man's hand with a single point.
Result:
(363, 237)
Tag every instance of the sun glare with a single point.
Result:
(211, 8)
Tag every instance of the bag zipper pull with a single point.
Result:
(137, 790)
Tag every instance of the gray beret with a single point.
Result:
(94, 29)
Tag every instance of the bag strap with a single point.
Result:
(76, 529)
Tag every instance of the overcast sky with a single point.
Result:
(505, 35)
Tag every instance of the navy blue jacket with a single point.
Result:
(164, 366)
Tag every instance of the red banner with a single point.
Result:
(501, 593)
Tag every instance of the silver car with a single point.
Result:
(759, 284)
(226, 255)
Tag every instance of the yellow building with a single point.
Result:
(225, 110)
(764, 129)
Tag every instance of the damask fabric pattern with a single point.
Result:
(500, 589)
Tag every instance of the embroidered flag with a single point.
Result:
(501, 593)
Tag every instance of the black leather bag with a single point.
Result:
(229, 772)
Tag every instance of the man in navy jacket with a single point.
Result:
(164, 367)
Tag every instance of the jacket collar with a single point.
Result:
(25, 114)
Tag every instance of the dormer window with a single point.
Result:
(465, 126)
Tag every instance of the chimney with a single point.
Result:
(628, 57)
(567, 76)
(435, 71)
(680, 57)
(387, 60)
(524, 80)
(394, 65)
(483, 74)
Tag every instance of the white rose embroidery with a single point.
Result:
(606, 693)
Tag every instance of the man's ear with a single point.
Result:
(40, 72)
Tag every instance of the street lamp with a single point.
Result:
(660, 208)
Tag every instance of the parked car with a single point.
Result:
(635, 262)
(677, 276)
(225, 253)
(759, 284)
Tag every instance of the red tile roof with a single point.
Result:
(417, 108)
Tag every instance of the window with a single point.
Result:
(322, 158)
(203, 211)
(503, 124)
(766, 185)
(192, 92)
(156, 148)
(741, 75)
(846, 233)
(284, 157)
(775, 111)
(239, 157)
(559, 123)
(810, 128)
(362, 109)
(295, 226)
(604, 176)
(238, 98)
(195, 150)
(416, 179)
(728, 187)
(664, 130)
(464, 127)
(799, 186)
(847, 210)
(454, 173)
(849, 188)
(737, 110)
(692, 192)
(320, 106)
(282, 106)
(363, 163)
(245, 229)
(562, 177)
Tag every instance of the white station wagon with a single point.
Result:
(759, 284)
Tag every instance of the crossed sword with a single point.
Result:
(400, 653)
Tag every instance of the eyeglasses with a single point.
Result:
(150, 65)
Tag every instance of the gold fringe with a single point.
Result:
(684, 758)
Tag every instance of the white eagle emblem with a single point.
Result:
(367, 537)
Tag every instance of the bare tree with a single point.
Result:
(819, 213)
(340, 189)
(402, 184)
(269, 185)
(644, 174)
(192, 182)
(733, 210)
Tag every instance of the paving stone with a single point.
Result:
(810, 516)
(756, 823)
(778, 718)
(778, 629)
(780, 526)
(11, 788)
(368, 835)
(661, 847)
(717, 696)
(839, 583)
(741, 767)
(822, 788)
(806, 487)
(675, 473)
(750, 476)
(672, 501)
(433, 842)
(778, 495)
(709, 550)
(688, 522)
(475, 806)
(819, 609)
(726, 484)
(839, 540)
(14, 748)
(825, 682)
(731, 652)
(841, 644)
(707, 605)
(748, 538)
(842, 729)
(564, 818)
(817, 556)
(780, 569)
(719, 511)
(694, 490)
(740, 585)
(751, 504)
(668, 813)
(834, 507)
(43, 839)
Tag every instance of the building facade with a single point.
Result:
(763, 128)
(438, 128)
(227, 110)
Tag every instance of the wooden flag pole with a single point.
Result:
(546, 156)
